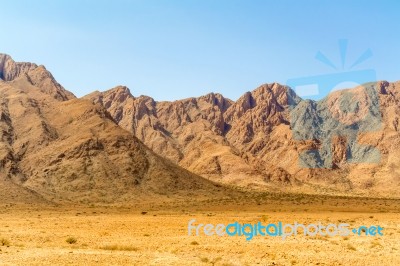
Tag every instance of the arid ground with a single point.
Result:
(155, 233)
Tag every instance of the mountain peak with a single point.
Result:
(10, 70)
(36, 75)
(120, 92)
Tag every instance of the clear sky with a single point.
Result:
(177, 49)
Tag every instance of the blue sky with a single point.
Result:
(176, 49)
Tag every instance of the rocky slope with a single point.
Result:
(62, 148)
(345, 143)
(189, 132)
(57, 147)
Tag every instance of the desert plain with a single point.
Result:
(156, 232)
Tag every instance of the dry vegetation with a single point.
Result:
(155, 233)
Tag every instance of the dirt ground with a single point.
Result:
(156, 233)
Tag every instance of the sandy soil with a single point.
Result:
(157, 234)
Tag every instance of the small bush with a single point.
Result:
(71, 240)
(351, 247)
(205, 260)
(375, 244)
(4, 242)
(264, 218)
(194, 243)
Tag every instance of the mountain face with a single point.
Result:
(347, 142)
(111, 146)
(189, 132)
(57, 147)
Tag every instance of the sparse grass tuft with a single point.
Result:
(204, 259)
(375, 244)
(351, 247)
(4, 242)
(119, 247)
(215, 260)
(71, 240)
(264, 218)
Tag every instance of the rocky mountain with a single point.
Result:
(56, 147)
(112, 146)
(271, 138)
(36, 75)
(190, 132)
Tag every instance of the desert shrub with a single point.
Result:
(71, 240)
(351, 247)
(205, 260)
(4, 242)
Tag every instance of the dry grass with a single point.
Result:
(4, 242)
(123, 236)
(351, 247)
(119, 247)
(71, 240)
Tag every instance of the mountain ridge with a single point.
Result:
(65, 149)
(224, 143)
(109, 146)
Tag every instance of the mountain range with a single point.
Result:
(112, 146)
(60, 148)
